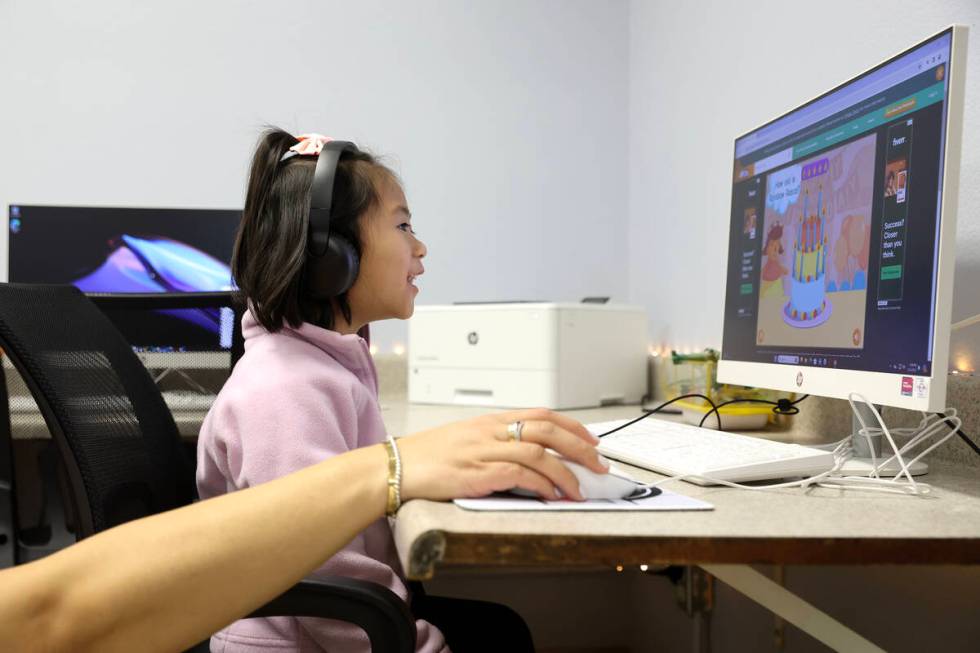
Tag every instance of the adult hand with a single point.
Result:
(477, 456)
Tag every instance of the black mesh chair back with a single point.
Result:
(120, 444)
(122, 450)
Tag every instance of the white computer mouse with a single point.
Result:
(594, 485)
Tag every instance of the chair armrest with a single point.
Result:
(380, 612)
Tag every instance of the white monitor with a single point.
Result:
(841, 242)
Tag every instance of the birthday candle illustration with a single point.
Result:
(799, 235)
(823, 218)
(799, 250)
(819, 258)
(819, 200)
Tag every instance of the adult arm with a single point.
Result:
(172, 579)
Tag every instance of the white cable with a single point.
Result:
(965, 323)
(877, 485)
(843, 451)
(926, 429)
(802, 483)
(824, 479)
(866, 432)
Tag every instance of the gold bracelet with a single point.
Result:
(394, 477)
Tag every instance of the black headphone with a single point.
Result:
(332, 262)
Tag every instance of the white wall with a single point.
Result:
(507, 120)
(702, 73)
(549, 149)
(526, 132)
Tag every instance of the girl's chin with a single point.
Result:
(404, 312)
(410, 309)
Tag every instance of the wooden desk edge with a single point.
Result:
(446, 549)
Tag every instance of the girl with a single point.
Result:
(306, 388)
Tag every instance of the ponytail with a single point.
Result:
(273, 144)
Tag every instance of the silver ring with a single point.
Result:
(514, 430)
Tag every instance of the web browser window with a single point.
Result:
(834, 231)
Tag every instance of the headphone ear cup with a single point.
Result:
(333, 273)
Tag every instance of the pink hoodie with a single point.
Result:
(295, 398)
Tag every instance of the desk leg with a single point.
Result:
(699, 600)
(792, 608)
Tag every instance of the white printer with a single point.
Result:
(555, 355)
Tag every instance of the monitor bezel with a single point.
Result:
(884, 388)
(215, 358)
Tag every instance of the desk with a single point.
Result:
(823, 526)
(779, 527)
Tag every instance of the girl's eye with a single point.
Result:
(406, 227)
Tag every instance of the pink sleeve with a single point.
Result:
(299, 424)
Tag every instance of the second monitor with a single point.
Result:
(135, 250)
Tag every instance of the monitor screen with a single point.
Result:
(835, 232)
(127, 250)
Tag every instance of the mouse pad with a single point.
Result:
(664, 500)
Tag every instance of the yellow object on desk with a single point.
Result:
(696, 373)
(734, 417)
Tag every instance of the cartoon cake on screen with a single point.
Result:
(808, 305)
(815, 249)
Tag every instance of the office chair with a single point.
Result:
(121, 449)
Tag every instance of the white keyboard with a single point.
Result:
(676, 449)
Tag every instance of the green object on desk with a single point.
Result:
(707, 356)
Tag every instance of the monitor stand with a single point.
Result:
(863, 467)
(861, 464)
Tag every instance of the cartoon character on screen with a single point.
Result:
(773, 269)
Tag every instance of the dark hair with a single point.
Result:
(269, 259)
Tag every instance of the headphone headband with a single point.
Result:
(321, 193)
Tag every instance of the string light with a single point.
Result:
(398, 349)
(963, 365)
